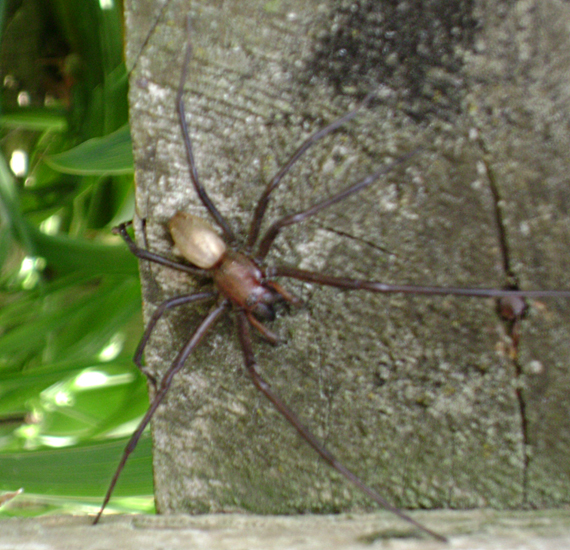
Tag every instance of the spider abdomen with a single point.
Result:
(196, 240)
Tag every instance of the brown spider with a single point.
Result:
(245, 285)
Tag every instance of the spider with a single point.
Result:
(244, 285)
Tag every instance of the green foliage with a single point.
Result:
(111, 154)
(69, 292)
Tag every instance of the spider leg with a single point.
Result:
(269, 335)
(207, 323)
(373, 286)
(158, 313)
(273, 231)
(291, 417)
(151, 256)
(264, 199)
(285, 294)
(206, 201)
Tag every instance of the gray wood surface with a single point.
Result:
(420, 396)
(468, 530)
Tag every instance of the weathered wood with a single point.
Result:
(468, 530)
(418, 395)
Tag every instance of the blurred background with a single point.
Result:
(69, 292)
